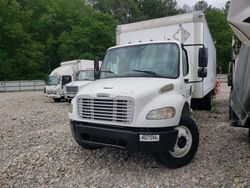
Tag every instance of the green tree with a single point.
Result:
(35, 36)
(157, 8)
(201, 6)
(226, 8)
(20, 54)
(126, 11)
(89, 39)
(123, 11)
(222, 34)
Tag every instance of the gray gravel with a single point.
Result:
(37, 150)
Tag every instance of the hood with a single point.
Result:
(79, 83)
(133, 87)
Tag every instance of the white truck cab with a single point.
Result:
(83, 77)
(141, 101)
(56, 82)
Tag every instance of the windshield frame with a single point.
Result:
(146, 75)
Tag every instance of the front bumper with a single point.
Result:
(124, 138)
(70, 95)
(53, 96)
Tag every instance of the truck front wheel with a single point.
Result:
(186, 145)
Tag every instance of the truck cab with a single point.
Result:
(83, 77)
(56, 81)
(141, 102)
(141, 98)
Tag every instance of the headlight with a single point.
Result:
(161, 113)
(70, 107)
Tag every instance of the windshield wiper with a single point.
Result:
(148, 72)
(109, 71)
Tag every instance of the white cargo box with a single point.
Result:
(189, 28)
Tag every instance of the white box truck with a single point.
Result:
(84, 76)
(142, 99)
(59, 77)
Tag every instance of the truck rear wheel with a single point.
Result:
(186, 145)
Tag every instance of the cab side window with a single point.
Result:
(66, 79)
(185, 67)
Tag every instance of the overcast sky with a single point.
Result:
(214, 3)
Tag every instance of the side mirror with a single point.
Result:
(96, 64)
(203, 57)
(202, 73)
(96, 68)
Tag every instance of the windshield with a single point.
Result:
(85, 75)
(53, 80)
(147, 60)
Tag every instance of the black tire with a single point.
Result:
(208, 101)
(169, 159)
(57, 99)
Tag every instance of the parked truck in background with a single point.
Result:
(84, 76)
(59, 77)
(142, 99)
(239, 74)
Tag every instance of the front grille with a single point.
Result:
(71, 89)
(49, 92)
(115, 110)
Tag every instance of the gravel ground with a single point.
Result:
(37, 150)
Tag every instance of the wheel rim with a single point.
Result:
(183, 142)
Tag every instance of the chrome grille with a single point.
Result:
(115, 110)
(71, 89)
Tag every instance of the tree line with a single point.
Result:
(35, 36)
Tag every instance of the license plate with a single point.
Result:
(149, 138)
